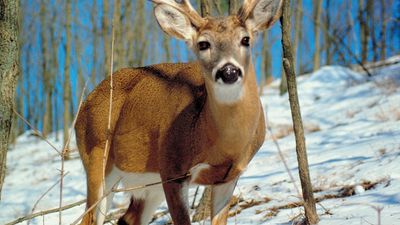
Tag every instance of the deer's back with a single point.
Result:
(146, 101)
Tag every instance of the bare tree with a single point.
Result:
(67, 68)
(371, 27)
(95, 35)
(266, 58)
(327, 40)
(233, 6)
(317, 9)
(47, 79)
(309, 201)
(9, 48)
(297, 31)
(383, 30)
(105, 27)
(205, 7)
(364, 31)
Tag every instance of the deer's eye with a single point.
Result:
(203, 45)
(245, 41)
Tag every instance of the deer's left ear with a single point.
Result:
(263, 14)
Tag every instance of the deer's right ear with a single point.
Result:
(174, 22)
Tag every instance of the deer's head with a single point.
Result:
(222, 45)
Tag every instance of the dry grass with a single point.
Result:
(392, 113)
(284, 130)
(388, 86)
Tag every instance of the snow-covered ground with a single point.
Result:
(353, 140)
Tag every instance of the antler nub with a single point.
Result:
(186, 8)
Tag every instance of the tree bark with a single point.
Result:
(105, 25)
(317, 8)
(67, 80)
(297, 31)
(383, 31)
(233, 7)
(93, 20)
(309, 201)
(205, 8)
(371, 28)
(9, 71)
(267, 58)
(363, 31)
(47, 79)
(327, 40)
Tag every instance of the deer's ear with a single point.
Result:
(174, 22)
(264, 14)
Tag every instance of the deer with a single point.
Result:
(178, 124)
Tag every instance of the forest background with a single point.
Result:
(67, 44)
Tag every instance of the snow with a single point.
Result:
(353, 142)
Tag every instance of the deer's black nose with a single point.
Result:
(228, 73)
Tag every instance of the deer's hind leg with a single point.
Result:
(144, 201)
(96, 194)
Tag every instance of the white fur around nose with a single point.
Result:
(227, 93)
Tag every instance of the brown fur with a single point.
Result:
(133, 213)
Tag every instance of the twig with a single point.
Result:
(65, 149)
(44, 194)
(37, 132)
(274, 139)
(45, 212)
(195, 196)
(115, 190)
(108, 131)
(96, 203)
(340, 42)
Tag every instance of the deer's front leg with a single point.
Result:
(221, 195)
(176, 194)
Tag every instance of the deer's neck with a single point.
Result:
(232, 126)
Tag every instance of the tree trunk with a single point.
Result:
(233, 7)
(93, 20)
(47, 80)
(327, 40)
(309, 201)
(67, 82)
(55, 39)
(363, 31)
(283, 84)
(297, 31)
(9, 48)
(267, 57)
(105, 24)
(383, 31)
(371, 28)
(205, 8)
(167, 48)
(118, 37)
(317, 8)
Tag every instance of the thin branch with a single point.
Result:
(65, 149)
(45, 212)
(96, 203)
(108, 131)
(37, 132)
(44, 194)
(274, 139)
(115, 190)
(340, 42)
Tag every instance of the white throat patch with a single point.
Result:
(227, 93)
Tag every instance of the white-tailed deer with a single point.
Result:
(202, 120)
